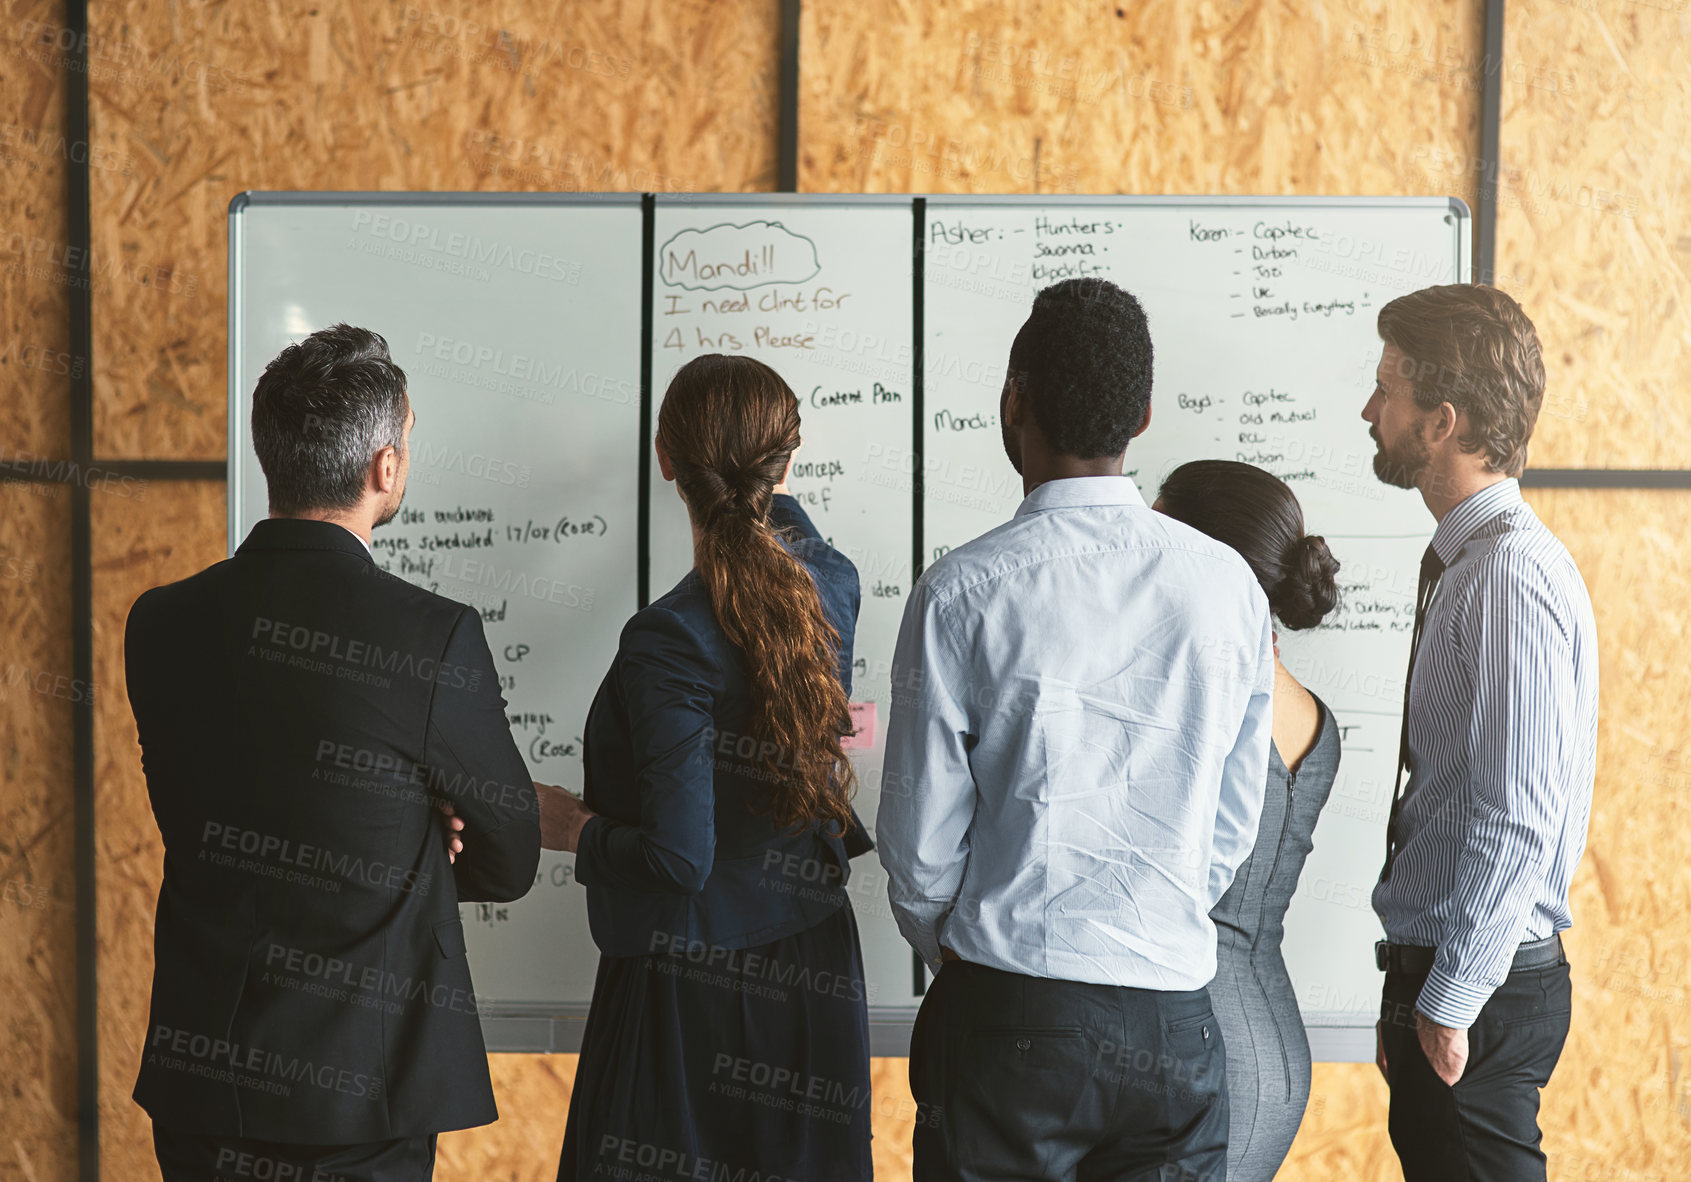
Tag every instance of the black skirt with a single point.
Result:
(751, 1064)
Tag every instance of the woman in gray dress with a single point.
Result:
(1267, 1049)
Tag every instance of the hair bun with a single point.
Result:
(1310, 589)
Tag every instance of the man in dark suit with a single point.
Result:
(315, 734)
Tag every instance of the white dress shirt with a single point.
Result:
(1502, 753)
(1078, 747)
(362, 540)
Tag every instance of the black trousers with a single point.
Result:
(1026, 1078)
(191, 1157)
(1485, 1129)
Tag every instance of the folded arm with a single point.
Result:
(475, 768)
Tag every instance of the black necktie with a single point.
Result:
(1432, 566)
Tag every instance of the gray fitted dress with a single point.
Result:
(1267, 1049)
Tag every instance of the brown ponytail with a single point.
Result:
(728, 426)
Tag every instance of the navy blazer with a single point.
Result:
(678, 856)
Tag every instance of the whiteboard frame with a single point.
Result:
(529, 1027)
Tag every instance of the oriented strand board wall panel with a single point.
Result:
(1343, 1134)
(895, 1117)
(145, 533)
(1620, 1105)
(213, 99)
(533, 1094)
(36, 270)
(1594, 222)
(37, 836)
(1008, 96)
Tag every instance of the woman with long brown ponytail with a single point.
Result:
(728, 1034)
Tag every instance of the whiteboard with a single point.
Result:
(540, 331)
(1262, 318)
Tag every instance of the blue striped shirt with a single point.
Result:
(1502, 753)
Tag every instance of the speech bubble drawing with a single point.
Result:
(739, 257)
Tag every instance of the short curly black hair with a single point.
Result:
(1082, 363)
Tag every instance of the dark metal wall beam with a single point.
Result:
(1491, 120)
(787, 145)
(1645, 478)
(78, 195)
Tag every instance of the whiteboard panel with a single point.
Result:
(1262, 317)
(820, 291)
(518, 326)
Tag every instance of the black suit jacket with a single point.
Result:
(302, 715)
(684, 854)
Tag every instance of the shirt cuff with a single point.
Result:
(1450, 1002)
(587, 848)
(923, 936)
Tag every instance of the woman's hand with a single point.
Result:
(562, 817)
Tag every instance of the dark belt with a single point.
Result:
(1415, 961)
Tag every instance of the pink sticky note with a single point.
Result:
(863, 726)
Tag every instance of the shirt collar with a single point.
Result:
(1072, 492)
(1464, 521)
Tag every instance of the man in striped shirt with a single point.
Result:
(1499, 743)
